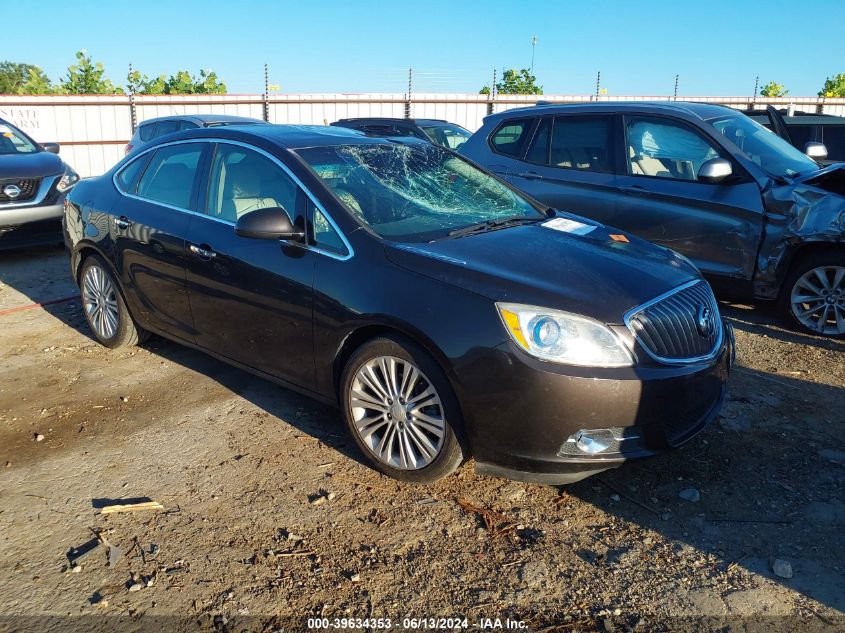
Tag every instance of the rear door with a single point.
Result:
(149, 223)
(251, 299)
(569, 165)
(717, 226)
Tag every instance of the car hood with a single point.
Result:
(594, 275)
(35, 165)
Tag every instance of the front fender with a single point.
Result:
(796, 215)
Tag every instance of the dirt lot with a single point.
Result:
(245, 542)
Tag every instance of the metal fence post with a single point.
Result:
(408, 99)
(266, 96)
(133, 115)
(492, 95)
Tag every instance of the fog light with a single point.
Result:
(590, 445)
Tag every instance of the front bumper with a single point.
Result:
(19, 216)
(520, 412)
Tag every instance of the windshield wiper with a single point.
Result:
(491, 225)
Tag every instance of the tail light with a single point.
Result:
(127, 149)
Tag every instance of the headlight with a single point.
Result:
(69, 179)
(563, 337)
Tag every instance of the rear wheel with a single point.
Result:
(813, 295)
(401, 411)
(104, 307)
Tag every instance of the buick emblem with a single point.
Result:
(703, 321)
(12, 191)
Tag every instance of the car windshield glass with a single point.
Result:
(414, 193)
(13, 142)
(446, 134)
(767, 149)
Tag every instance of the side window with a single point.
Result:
(242, 180)
(658, 147)
(146, 131)
(325, 236)
(126, 176)
(539, 151)
(169, 176)
(166, 127)
(511, 136)
(582, 142)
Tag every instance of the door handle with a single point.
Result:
(636, 190)
(530, 175)
(122, 223)
(203, 252)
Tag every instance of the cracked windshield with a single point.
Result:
(415, 193)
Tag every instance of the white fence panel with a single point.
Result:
(93, 129)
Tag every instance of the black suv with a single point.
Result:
(802, 128)
(33, 180)
(437, 131)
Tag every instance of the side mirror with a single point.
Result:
(714, 170)
(816, 151)
(271, 223)
(53, 148)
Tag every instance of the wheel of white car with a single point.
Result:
(104, 307)
(813, 296)
(401, 411)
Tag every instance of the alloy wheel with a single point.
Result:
(818, 300)
(99, 300)
(397, 413)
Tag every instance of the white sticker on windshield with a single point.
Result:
(569, 226)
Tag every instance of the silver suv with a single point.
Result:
(33, 179)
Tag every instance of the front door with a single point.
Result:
(251, 299)
(149, 223)
(717, 226)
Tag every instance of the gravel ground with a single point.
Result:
(271, 516)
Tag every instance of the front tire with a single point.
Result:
(813, 295)
(401, 411)
(104, 308)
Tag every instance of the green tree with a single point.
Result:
(86, 77)
(516, 82)
(180, 83)
(774, 89)
(834, 86)
(23, 79)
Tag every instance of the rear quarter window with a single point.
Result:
(146, 132)
(126, 177)
(511, 136)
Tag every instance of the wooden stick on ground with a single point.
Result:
(132, 507)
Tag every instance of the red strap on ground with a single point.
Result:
(37, 305)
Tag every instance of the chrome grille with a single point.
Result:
(28, 187)
(681, 326)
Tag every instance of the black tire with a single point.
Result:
(451, 452)
(126, 332)
(827, 258)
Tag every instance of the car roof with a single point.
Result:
(202, 118)
(693, 109)
(289, 136)
(385, 119)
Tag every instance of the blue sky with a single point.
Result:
(717, 47)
